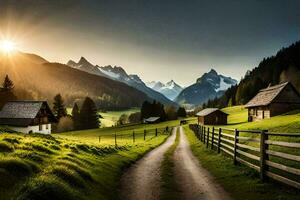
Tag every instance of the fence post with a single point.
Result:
(219, 140)
(144, 134)
(133, 137)
(263, 155)
(99, 139)
(198, 132)
(236, 134)
(207, 142)
(156, 132)
(202, 132)
(204, 136)
(116, 140)
(212, 137)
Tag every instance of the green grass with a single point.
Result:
(70, 165)
(240, 181)
(169, 187)
(237, 114)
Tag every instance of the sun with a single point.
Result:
(8, 46)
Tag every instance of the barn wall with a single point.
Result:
(215, 118)
(33, 129)
(258, 113)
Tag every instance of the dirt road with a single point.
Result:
(142, 180)
(194, 181)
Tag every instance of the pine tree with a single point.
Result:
(181, 112)
(76, 116)
(59, 108)
(6, 92)
(7, 85)
(89, 117)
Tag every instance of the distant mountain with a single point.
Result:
(119, 74)
(276, 69)
(170, 89)
(209, 86)
(35, 78)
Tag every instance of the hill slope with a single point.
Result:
(119, 74)
(35, 78)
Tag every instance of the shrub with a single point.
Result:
(6, 147)
(65, 124)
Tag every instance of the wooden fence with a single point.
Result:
(136, 135)
(260, 150)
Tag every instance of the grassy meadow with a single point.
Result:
(110, 118)
(71, 165)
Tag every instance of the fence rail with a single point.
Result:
(135, 136)
(272, 158)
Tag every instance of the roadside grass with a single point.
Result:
(240, 181)
(64, 166)
(169, 189)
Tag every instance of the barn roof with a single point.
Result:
(208, 111)
(20, 113)
(266, 96)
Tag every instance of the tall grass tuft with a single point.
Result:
(6, 147)
(46, 188)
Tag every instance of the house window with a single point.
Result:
(40, 127)
(256, 112)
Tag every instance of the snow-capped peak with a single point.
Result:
(170, 89)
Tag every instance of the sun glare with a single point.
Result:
(8, 46)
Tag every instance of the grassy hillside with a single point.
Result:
(110, 118)
(288, 122)
(69, 165)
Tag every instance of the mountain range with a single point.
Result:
(209, 86)
(171, 89)
(119, 74)
(36, 78)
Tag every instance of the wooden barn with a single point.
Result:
(27, 116)
(212, 116)
(272, 101)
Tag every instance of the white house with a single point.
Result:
(27, 116)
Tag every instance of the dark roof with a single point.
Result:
(21, 113)
(265, 96)
(208, 111)
(152, 119)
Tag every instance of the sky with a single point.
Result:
(156, 39)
